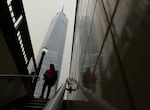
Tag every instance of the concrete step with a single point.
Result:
(31, 104)
(78, 105)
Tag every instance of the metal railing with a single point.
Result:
(99, 102)
(17, 75)
(56, 101)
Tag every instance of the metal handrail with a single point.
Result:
(17, 75)
(56, 101)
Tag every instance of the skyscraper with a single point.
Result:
(54, 42)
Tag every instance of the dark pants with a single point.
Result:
(46, 83)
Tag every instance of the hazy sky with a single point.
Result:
(39, 14)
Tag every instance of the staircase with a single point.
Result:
(78, 105)
(72, 105)
(28, 104)
(55, 103)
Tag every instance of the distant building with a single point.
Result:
(54, 42)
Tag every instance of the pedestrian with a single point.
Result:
(89, 80)
(86, 78)
(50, 78)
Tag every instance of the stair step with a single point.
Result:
(30, 107)
(72, 105)
(35, 103)
(38, 100)
(31, 104)
(79, 105)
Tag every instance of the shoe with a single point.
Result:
(47, 98)
(41, 97)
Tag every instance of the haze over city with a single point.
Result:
(39, 15)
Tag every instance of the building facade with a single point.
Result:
(111, 41)
(15, 52)
(54, 42)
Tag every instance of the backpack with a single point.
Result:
(50, 76)
(55, 76)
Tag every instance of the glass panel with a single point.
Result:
(109, 6)
(84, 5)
(90, 14)
(110, 84)
(100, 23)
(107, 83)
(121, 15)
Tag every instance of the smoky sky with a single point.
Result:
(39, 14)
